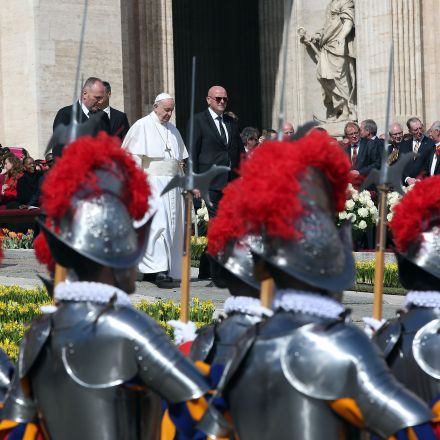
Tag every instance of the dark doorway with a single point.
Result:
(224, 36)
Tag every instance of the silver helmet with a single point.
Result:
(322, 256)
(237, 258)
(97, 224)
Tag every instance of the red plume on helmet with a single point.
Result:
(417, 212)
(76, 175)
(272, 180)
(289, 193)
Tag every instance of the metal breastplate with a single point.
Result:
(304, 362)
(216, 344)
(87, 376)
(398, 337)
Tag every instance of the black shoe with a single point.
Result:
(163, 281)
(211, 284)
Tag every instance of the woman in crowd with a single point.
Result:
(14, 170)
(28, 185)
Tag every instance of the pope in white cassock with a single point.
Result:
(158, 148)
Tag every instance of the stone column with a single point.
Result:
(408, 72)
(39, 50)
(374, 35)
(271, 24)
(148, 53)
(271, 16)
(431, 60)
(18, 72)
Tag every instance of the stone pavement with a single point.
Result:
(19, 267)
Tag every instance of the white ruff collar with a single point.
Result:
(310, 303)
(246, 305)
(90, 291)
(428, 298)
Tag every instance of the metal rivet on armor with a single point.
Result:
(106, 239)
(106, 250)
(145, 368)
(308, 268)
(140, 358)
(70, 344)
(105, 225)
(71, 351)
(136, 348)
(322, 271)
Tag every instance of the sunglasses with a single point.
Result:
(219, 99)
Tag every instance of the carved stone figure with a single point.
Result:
(336, 69)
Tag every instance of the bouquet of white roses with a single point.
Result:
(393, 199)
(202, 214)
(359, 209)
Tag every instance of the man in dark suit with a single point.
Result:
(419, 144)
(216, 141)
(368, 130)
(118, 120)
(93, 93)
(364, 155)
(433, 163)
(396, 138)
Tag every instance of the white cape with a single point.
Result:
(147, 140)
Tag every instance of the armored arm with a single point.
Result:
(18, 406)
(386, 405)
(163, 368)
(338, 362)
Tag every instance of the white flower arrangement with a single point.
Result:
(393, 199)
(359, 209)
(202, 213)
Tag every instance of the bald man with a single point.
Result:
(288, 131)
(216, 141)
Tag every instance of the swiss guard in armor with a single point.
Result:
(411, 341)
(233, 269)
(94, 367)
(306, 373)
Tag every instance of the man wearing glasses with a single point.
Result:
(216, 142)
(419, 144)
(364, 155)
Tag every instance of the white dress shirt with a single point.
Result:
(217, 123)
(434, 161)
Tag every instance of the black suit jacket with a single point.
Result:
(368, 156)
(64, 116)
(208, 148)
(429, 164)
(118, 123)
(420, 162)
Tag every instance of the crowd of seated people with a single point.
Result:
(20, 181)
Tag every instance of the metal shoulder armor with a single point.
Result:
(339, 361)
(33, 343)
(18, 406)
(202, 345)
(134, 346)
(6, 373)
(426, 348)
(388, 336)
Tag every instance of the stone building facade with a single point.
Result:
(143, 47)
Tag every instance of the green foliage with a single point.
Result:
(17, 240)
(18, 307)
(365, 273)
(198, 245)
